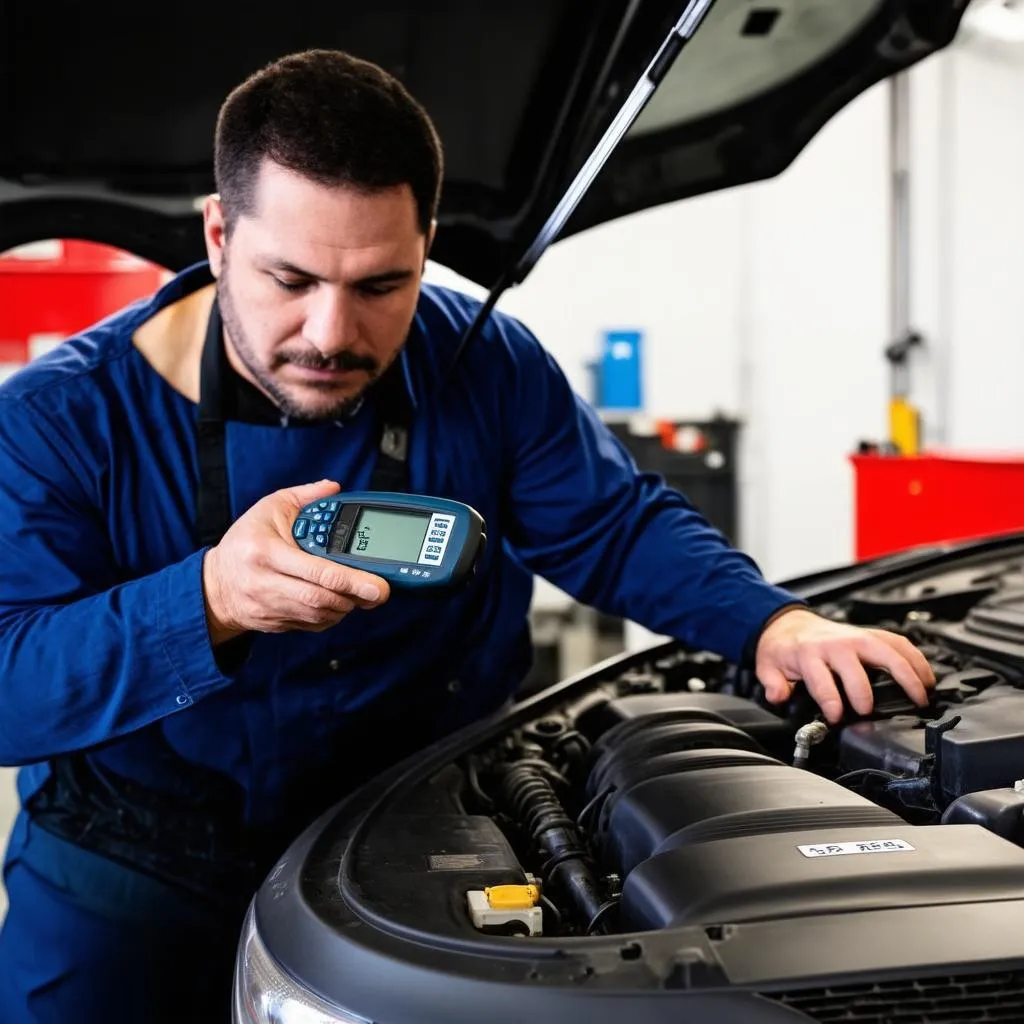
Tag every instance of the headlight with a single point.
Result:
(265, 994)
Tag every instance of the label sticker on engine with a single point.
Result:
(455, 861)
(485, 860)
(870, 846)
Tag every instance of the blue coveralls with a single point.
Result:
(104, 647)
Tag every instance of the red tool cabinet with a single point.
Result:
(903, 502)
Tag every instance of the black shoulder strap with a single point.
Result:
(213, 501)
(394, 421)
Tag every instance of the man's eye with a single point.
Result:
(375, 290)
(290, 286)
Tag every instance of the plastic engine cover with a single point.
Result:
(768, 877)
(711, 803)
(980, 752)
(768, 731)
(983, 750)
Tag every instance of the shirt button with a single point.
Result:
(454, 686)
(334, 664)
(181, 699)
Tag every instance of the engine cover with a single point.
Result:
(993, 629)
(980, 752)
(823, 871)
(708, 829)
(698, 806)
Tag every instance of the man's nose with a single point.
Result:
(330, 321)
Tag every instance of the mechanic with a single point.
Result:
(184, 687)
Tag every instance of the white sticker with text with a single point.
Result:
(870, 846)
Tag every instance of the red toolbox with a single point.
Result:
(902, 502)
(50, 290)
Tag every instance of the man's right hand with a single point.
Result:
(258, 578)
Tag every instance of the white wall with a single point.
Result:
(986, 254)
(771, 302)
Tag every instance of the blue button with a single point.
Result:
(300, 528)
(324, 504)
(318, 517)
(321, 539)
(328, 516)
(333, 505)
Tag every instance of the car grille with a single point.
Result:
(950, 999)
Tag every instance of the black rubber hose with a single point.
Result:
(532, 802)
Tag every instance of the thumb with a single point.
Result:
(305, 493)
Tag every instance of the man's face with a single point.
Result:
(317, 287)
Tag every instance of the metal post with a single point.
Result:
(904, 424)
(899, 162)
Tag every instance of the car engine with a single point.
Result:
(671, 795)
(654, 831)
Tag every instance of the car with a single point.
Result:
(649, 839)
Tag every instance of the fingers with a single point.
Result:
(777, 687)
(856, 684)
(822, 686)
(257, 577)
(365, 588)
(305, 493)
(903, 646)
(292, 602)
(306, 602)
(826, 655)
(877, 651)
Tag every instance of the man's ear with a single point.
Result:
(214, 232)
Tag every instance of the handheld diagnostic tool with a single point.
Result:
(409, 539)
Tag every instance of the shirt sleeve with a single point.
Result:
(86, 656)
(586, 519)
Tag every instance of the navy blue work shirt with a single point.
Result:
(103, 636)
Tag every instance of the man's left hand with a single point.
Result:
(800, 645)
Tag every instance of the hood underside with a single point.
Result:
(106, 124)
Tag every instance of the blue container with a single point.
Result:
(619, 380)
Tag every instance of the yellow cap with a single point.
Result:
(512, 897)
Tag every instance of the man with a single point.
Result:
(185, 686)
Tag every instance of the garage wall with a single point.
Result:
(767, 303)
(985, 311)
(771, 302)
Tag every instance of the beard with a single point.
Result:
(291, 405)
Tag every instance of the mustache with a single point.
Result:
(342, 361)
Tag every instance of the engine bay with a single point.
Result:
(669, 794)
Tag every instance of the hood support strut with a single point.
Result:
(630, 110)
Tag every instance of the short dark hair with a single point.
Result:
(333, 118)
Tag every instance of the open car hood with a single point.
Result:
(106, 124)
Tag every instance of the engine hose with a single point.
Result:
(532, 802)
